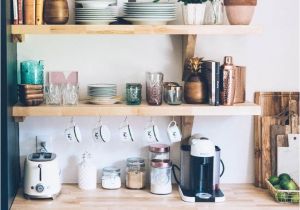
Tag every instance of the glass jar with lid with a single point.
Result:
(135, 173)
(159, 152)
(111, 178)
(161, 177)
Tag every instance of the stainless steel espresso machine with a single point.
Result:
(200, 171)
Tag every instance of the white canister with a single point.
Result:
(87, 173)
(161, 177)
(111, 178)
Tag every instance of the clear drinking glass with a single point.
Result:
(53, 94)
(154, 88)
(214, 12)
(70, 94)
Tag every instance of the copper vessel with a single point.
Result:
(228, 86)
(240, 85)
(56, 11)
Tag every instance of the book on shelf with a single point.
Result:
(29, 10)
(20, 12)
(212, 75)
(39, 5)
(15, 11)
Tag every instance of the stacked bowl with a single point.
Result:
(103, 94)
(149, 13)
(97, 12)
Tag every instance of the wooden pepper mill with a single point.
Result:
(56, 11)
(195, 90)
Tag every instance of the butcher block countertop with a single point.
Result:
(238, 197)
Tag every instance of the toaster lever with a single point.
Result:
(40, 167)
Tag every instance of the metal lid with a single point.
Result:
(133, 85)
(135, 161)
(111, 170)
(159, 148)
(228, 60)
(161, 163)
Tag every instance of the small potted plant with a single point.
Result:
(240, 12)
(195, 89)
(193, 11)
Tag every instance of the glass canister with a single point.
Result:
(135, 173)
(133, 93)
(214, 12)
(159, 152)
(111, 178)
(32, 72)
(154, 88)
(161, 177)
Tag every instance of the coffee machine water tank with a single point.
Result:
(202, 167)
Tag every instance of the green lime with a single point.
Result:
(277, 187)
(284, 184)
(292, 185)
(282, 197)
(284, 176)
(274, 180)
(295, 198)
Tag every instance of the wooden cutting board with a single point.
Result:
(288, 157)
(272, 104)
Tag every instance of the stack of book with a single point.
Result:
(29, 12)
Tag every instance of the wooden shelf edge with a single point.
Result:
(245, 109)
(136, 29)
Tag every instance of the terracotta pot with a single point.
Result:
(56, 11)
(240, 15)
(195, 90)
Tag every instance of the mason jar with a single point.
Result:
(161, 177)
(133, 93)
(154, 88)
(135, 173)
(111, 178)
(159, 152)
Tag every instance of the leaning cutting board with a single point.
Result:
(272, 104)
(288, 157)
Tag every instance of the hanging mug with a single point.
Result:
(125, 132)
(72, 132)
(151, 132)
(174, 132)
(101, 132)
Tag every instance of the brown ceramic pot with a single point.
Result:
(56, 11)
(195, 91)
(240, 12)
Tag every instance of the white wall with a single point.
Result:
(272, 64)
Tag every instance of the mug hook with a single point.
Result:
(72, 119)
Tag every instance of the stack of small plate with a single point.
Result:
(98, 12)
(149, 13)
(103, 94)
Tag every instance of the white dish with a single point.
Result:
(149, 4)
(143, 21)
(93, 4)
(101, 85)
(151, 16)
(97, 18)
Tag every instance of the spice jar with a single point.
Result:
(133, 93)
(161, 177)
(154, 88)
(159, 152)
(111, 178)
(135, 173)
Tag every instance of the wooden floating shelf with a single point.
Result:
(141, 110)
(136, 29)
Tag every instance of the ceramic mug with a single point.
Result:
(73, 133)
(151, 132)
(101, 133)
(174, 132)
(125, 132)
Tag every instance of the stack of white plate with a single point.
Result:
(98, 12)
(149, 13)
(103, 94)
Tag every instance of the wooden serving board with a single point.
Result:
(272, 104)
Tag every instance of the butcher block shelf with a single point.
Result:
(18, 31)
(238, 197)
(84, 109)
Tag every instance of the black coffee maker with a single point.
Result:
(200, 171)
